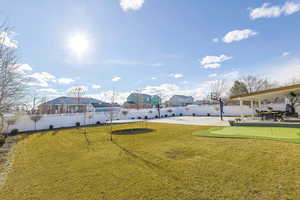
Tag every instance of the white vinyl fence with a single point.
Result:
(24, 123)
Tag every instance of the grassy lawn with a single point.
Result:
(275, 133)
(165, 163)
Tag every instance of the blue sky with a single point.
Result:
(174, 46)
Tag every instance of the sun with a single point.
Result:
(79, 44)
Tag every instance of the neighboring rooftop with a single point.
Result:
(103, 104)
(74, 100)
(182, 96)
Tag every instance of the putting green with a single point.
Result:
(277, 133)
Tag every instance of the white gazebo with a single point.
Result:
(259, 96)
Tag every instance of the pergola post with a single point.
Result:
(242, 109)
(259, 104)
(252, 109)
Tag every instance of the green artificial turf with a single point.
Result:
(275, 133)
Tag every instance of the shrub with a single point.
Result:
(139, 118)
(146, 117)
(166, 115)
(51, 127)
(15, 131)
(180, 114)
(77, 124)
(194, 114)
(208, 114)
(156, 116)
(132, 118)
(98, 123)
(173, 114)
(169, 110)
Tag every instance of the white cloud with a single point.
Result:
(268, 11)
(131, 4)
(106, 96)
(178, 75)
(40, 79)
(96, 86)
(115, 79)
(6, 41)
(284, 72)
(214, 59)
(284, 54)
(65, 80)
(23, 68)
(231, 75)
(238, 35)
(215, 40)
(153, 78)
(226, 75)
(212, 66)
(48, 90)
(213, 75)
(290, 7)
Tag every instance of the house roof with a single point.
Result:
(182, 96)
(104, 105)
(269, 93)
(73, 100)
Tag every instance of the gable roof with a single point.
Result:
(182, 96)
(73, 100)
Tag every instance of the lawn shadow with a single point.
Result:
(133, 131)
(148, 163)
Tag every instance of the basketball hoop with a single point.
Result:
(215, 97)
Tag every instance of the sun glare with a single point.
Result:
(79, 44)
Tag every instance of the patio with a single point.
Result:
(269, 116)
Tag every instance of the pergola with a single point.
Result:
(259, 96)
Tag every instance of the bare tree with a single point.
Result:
(78, 92)
(218, 88)
(111, 112)
(12, 82)
(254, 83)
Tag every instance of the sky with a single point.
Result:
(153, 46)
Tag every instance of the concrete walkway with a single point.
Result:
(204, 121)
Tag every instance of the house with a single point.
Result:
(68, 105)
(139, 101)
(180, 100)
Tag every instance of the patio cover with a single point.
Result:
(267, 94)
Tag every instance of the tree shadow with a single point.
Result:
(87, 141)
(133, 131)
(147, 163)
(55, 132)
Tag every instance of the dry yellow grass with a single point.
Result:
(168, 163)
